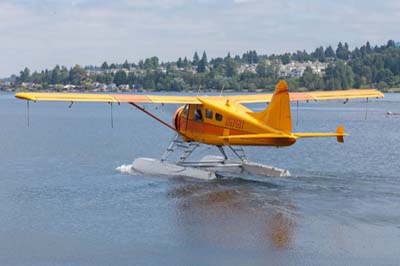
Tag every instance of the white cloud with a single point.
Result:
(42, 34)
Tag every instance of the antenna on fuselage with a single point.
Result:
(222, 90)
(198, 92)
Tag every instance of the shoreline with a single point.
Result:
(16, 90)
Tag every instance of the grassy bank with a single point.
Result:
(397, 90)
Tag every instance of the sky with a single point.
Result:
(40, 34)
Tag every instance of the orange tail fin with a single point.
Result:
(277, 115)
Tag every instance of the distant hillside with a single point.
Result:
(326, 68)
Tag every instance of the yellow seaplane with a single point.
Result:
(221, 121)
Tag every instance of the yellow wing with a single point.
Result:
(307, 96)
(167, 99)
(115, 98)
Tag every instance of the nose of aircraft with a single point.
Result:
(175, 118)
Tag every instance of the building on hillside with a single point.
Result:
(296, 69)
(69, 87)
(124, 87)
(247, 68)
(112, 87)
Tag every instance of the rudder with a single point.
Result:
(277, 115)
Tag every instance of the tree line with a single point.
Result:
(364, 66)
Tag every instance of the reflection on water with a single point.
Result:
(235, 215)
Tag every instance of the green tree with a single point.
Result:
(76, 75)
(56, 75)
(250, 57)
(285, 58)
(131, 79)
(342, 51)
(151, 63)
(262, 69)
(64, 75)
(311, 81)
(126, 65)
(24, 75)
(329, 52)
(228, 57)
(179, 63)
(202, 63)
(120, 78)
(319, 54)
(230, 67)
(178, 84)
(196, 59)
(36, 77)
(339, 76)
(186, 62)
(141, 64)
(382, 85)
(273, 71)
(391, 44)
(108, 78)
(301, 56)
(104, 66)
(385, 75)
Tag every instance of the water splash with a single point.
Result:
(126, 169)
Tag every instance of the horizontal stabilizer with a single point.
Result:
(258, 136)
(339, 134)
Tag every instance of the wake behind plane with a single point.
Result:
(221, 121)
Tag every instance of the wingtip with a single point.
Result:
(24, 96)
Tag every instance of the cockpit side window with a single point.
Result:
(218, 117)
(186, 110)
(198, 116)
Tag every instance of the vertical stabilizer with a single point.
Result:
(277, 114)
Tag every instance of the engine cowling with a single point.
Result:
(176, 118)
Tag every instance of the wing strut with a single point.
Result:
(28, 111)
(297, 113)
(157, 118)
(112, 115)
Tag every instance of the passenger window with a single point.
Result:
(218, 117)
(209, 114)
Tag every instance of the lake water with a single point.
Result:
(63, 203)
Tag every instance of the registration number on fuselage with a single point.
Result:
(234, 123)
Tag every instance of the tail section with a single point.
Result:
(277, 115)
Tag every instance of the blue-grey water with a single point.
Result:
(63, 203)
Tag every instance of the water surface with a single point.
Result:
(63, 203)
